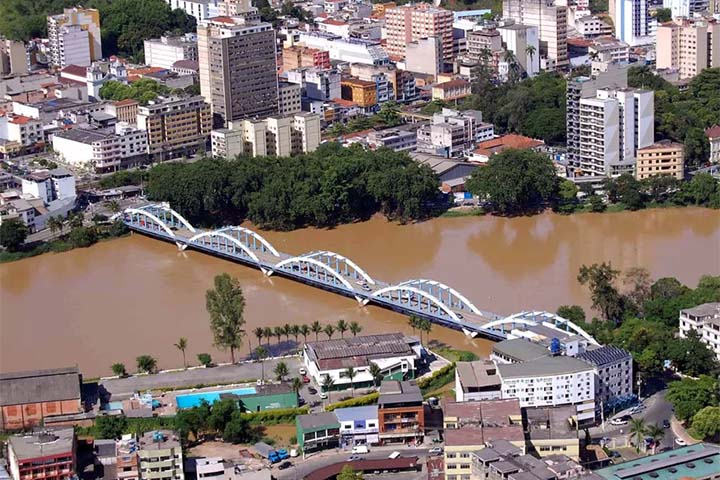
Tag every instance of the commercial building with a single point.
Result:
(350, 50)
(317, 85)
(477, 381)
(238, 71)
(358, 425)
(74, 37)
(47, 454)
(297, 56)
(175, 126)
(551, 22)
(705, 320)
(20, 132)
(552, 431)
(486, 149)
(125, 110)
(316, 431)
(361, 92)
(401, 412)
(105, 150)
(661, 158)
(394, 353)
(713, 136)
(613, 126)
(451, 90)
(26, 398)
(408, 23)
(685, 8)
(609, 49)
(161, 456)
(280, 136)
(424, 55)
(501, 460)
(699, 462)
(399, 139)
(523, 41)
(688, 45)
(633, 22)
(163, 52)
(127, 462)
(591, 26)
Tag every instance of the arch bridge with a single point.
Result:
(331, 271)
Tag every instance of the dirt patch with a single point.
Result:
(228, 451)
(281, 433)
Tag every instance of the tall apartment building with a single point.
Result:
(13, 58)
(74, 36)
(175, 126)
(688, 45)
(705, 320)
(613, 126)
(289, 98)
(409, 23)
(199, 9)
(633, 22)
(238, 70)
(43, 455)
(163, 52)
(661, 158)
(424, 55)
(280, 136)
(517, 38)
(586, 87)
(551, 22)
(320, 85)
(401, 412)
(298, 56)
(161, 456)
(684, 8)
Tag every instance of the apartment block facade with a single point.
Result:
(238, 70)
(633, 22)
(408, 23)
(43, 455)
(74, 36)
(688, 46)
(298, 56)
(401, 412)
(705, 320)
(161, 456)
(661, 158)
(163, 52)
(551, 21)
(175, 126)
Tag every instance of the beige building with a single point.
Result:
(73, 33)
(408, 23)
(551, 21)
(13, 59)
(424, 55)
(175, 126)
(238, 68)
(661, 158)
(280, 136)
(161, 456)
(688, 45)
(289, 98)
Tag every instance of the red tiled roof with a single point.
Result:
(331, 21)
(477, 436)
(452, 84)
(223, 20)
(713, 132)
(579, 42)
(383, 464)
(127, 101)
(511, 140)
(344, 103)
(76, 70)
(20, 119)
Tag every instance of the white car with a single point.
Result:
(680, 441)
(435, 451)
(302, 371)
(360, 450)
(323, 395)
(618, 421)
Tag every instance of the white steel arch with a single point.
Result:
(152, 217)
(237, 242)
(256, 235)
(452, 291)
(317, 263)
(175, 214)
(508, 321)
(521, 317)
(417, 291)
(349, 262)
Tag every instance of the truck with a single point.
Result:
(271, 454)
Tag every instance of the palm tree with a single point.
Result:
(259, 333)
(113, 206)
(316, 328)
(261, 353)
(637, 431)
(355, 328)
(342, 327)
(657, 433)
(295, 331)
(594, 57)
(268, 333)
(413, 321)
(376, 373)
(281, 370)
(296, 384)
(279, 332)
(287, 330)
(182, 345)
(426, 327)
(329, 330)
(350, 372)
(304, 331)
(327, 383)
(530, 50)
(55, 224)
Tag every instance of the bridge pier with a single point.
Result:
(181, 246)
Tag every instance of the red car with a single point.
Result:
(306, 379)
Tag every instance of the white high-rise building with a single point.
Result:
(74, 37)
(633, 22)
(684, 8)
(550, 18)
(613, 126)
(163, 52)
(200, 9)
(705, 320)
(524, 43)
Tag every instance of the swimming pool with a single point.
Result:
(195, 399)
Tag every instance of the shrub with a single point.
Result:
(438, 379)
(205, 359)
(146, 363)
(273, 417)
(119, 369)
(368, 399)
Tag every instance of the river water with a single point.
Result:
(120, 299)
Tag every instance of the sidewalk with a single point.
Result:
(679, 431)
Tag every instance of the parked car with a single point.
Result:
(312, 390)
(306, 379)
(302, 371)
(435, 451)
(360, 449)
(285, 465)
(394, 455)
(666, 423)
(323, 395)
(619, 421)
(352, 458)
(680, 442)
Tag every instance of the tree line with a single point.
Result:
(330, 186)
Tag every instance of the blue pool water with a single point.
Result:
(195, 399)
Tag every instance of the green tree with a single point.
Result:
(638, 282)
(110, 426)
(627, 190)
(55, 224)
(515, 181)
(13, 233)
(278, 332)
(329, 330)
(268, 332)
(426, 327)
(350, 373)
(355, 328)
(347, 473)
(295, 331)
(287, 331)
(119, 369)
(182, 346)
(221, 413)
(316, 328)
(414, 322)
(297, 384)
(638, 429)
(663, 15)
(193, 421)
(657, 433)
(259, 333)
(596, 203)
(304, 331)
(701, 189)
(389, 113)
(574, 313)
(600, 278)
(376, 373)
(82, 237)
(706, 424)
(342, 327)
(226, 305)
(146, 364)
(280, 371)
(688, 396)
(205, 359)
(327, 382)
(692, 356)
(261, 354)
(568, 196)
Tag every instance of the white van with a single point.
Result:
(394, 455)
(360, 449)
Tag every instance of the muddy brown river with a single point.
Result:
(120, 299)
